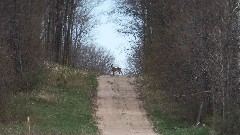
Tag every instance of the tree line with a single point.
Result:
(45, 30)
(190, 50)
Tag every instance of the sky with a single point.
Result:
(106, 33)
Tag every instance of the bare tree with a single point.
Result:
(191, 51)
(21, 54)
(94, 58)
(66, 24)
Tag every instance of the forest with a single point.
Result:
(37, 32)
(186, 56)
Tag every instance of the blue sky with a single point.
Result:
(106, 34)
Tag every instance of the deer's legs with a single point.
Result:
(113, 73)
(120, 72)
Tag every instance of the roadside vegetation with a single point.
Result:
(187, 53)
(62, 103)
(165, 115)
(34, 93)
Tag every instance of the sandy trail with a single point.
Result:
(119, 111)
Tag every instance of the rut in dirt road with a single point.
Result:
(119, 111)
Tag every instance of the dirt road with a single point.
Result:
(119, 111)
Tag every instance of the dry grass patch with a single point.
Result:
(47, 96)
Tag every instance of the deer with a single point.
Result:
(116, 69)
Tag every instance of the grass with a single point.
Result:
(61, 104)
(172, 125)
(164, 116)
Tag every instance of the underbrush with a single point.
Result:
(60, 104)
(167, 124)
(164, 114)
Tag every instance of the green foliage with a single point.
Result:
(172, 125)
(55, 107)
(165, 115)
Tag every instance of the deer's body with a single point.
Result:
(116, 69)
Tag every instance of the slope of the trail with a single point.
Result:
(119, 110)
